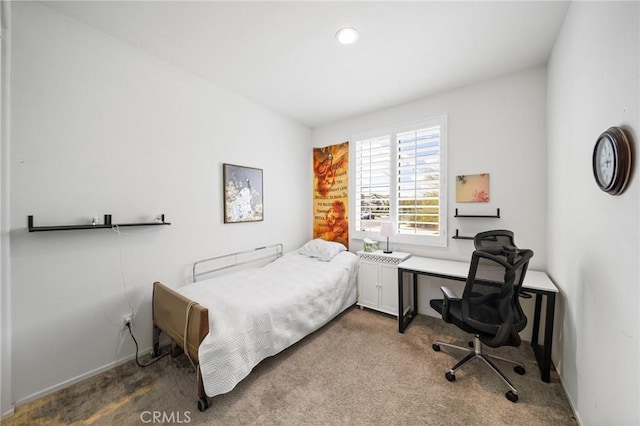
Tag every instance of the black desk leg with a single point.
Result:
(548, 337)
(535, 333)
(404, 320)
(543, 354)
(415, 294)
(400, 302)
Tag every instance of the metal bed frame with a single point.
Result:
(239, 258)
(184, 320)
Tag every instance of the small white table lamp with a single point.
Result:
(387, 230)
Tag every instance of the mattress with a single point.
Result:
(256, 313)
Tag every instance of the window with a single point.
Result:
(399, 176)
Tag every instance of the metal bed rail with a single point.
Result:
(236, 259)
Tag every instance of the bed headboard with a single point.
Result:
(231, 260)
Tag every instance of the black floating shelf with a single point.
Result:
(496, 216)
(106, 225)
(461, 237)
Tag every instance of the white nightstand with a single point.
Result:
(378, 280)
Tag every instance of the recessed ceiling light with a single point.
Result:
(347, 36)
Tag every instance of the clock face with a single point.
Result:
(604, 162)
(612, 161)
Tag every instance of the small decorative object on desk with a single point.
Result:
(369, 245)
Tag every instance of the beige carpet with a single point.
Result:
(357, 370)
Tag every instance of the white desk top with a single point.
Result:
(534, 280)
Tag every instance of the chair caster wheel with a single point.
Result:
(203, 404)
(519, 369)
(511, 396)
(436, 347)
(451, 377)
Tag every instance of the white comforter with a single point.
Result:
(256, 313)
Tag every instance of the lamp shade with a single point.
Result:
(387, 229)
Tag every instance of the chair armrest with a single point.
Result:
(449, 295)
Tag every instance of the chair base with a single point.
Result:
(476, 352)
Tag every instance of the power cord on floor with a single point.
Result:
(136, 343)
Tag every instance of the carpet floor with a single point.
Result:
(357, 370)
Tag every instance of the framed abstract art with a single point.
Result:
(472, 188)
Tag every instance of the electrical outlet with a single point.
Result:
(126, 320)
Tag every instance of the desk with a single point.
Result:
(536, 282)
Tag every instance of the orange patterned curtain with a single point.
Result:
(331, 193)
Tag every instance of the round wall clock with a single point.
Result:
(612, 161)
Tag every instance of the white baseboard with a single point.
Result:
(77, 379)
(7, 414)
(571, 404)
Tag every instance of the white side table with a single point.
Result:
(378, 280)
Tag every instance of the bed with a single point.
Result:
(226, 324)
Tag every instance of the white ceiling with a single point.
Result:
(284, 54)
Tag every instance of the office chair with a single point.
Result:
(489, 307)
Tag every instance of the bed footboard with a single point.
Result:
(170, 316)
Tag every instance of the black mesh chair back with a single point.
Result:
(490, 303)
(494, 241)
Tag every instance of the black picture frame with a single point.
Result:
(242, 194)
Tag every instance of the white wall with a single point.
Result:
(6, 400)
(593, 238)
(495, 127)
(99, 127)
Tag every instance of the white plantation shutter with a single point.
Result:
(419, 181)
(399, 177)
(373, 186)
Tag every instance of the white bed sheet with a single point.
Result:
(256, 313)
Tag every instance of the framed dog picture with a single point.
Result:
(242, 194)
